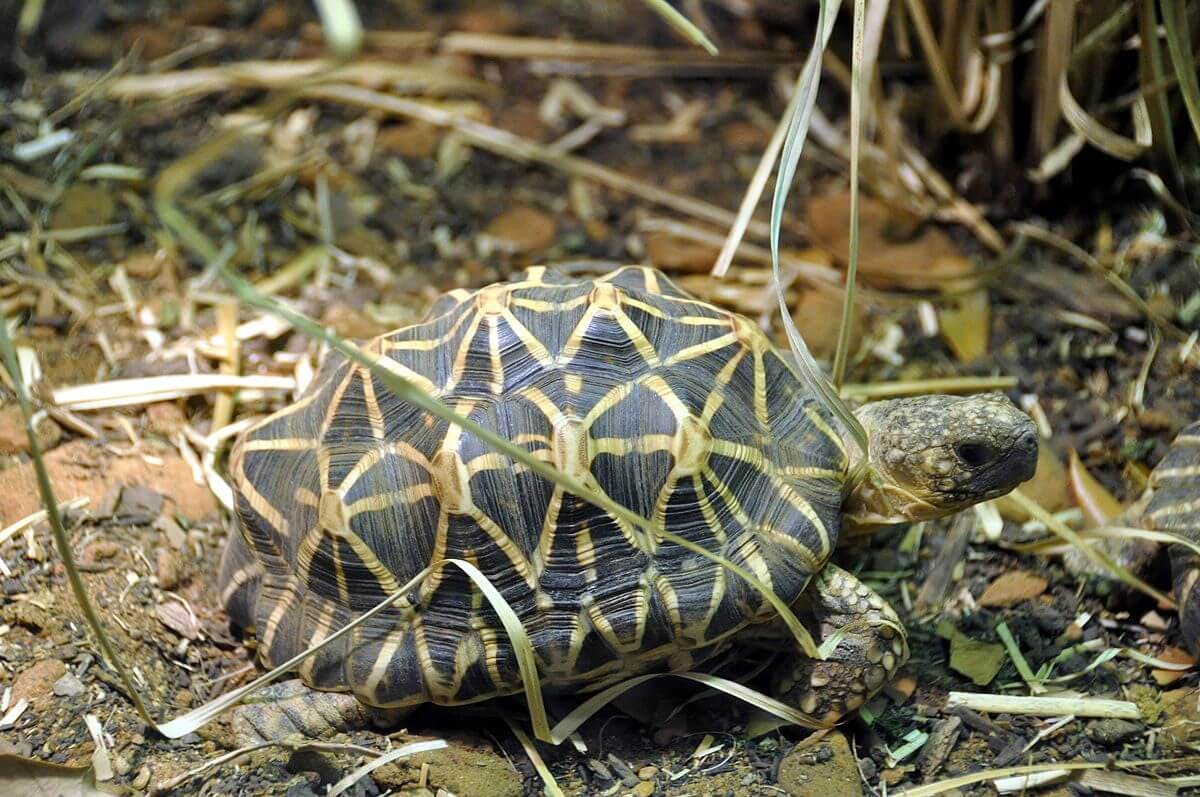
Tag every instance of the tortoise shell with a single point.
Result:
(1174, 506)
(678, 410)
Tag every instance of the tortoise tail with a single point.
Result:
(239, 578)
(1175, 507)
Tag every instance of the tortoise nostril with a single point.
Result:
(974, 454)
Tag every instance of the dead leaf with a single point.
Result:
(83, 205)
(966, 324)
(979, 661)
(1012, 588)
(28, 776)
(1171, 655)
(525, 229)
(672, 253)
(888, 255)
(1097, 503)
(174, 616)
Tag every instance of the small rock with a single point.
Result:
(178, 619)
(622, 771)
(824, 769)
(37, 681)
(141, 780)
(139, 505)
(647, 773)
(644, 789)
(1113, 732)
(524, 228)
(166, 569)
(69, 686)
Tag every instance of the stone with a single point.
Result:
(644, 789)
(824, 769)
(69, 686)
(1113, 732)
(166, 569)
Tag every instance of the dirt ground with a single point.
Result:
(412, 210)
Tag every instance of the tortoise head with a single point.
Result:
(934, 455)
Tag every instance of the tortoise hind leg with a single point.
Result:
(871, 649)
(289, 708)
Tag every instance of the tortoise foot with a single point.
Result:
(291, 709)
(871, 648)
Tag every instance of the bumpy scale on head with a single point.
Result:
(933, 455)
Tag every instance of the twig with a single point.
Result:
(1044, 706)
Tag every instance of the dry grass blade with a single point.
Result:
(682, 24)
(953, 784)
(1179, 46)
(150, 389)
(918, 387)
(549, 784)
(343, 29)
(801, 114)
(858, 85)
(1099, 136)
(570, 723)
(403, 751)
(1091, 552)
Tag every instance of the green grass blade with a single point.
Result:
(857, 85)
(59, 532)
(801, 110)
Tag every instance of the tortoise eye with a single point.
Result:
(974, 454)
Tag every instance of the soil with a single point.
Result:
(419, 212)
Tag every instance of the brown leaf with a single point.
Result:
(526, 229)
(1097, 503)
(174, 616)
(966, 324)
(1012, 588)
(20, 775)
(671, 253)
(1171, 655)
(888, 255)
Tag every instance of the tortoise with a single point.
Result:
(1170, 503)
(679, 411)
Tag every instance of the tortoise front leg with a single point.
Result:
(871, 649)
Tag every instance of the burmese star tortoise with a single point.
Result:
(680, 411)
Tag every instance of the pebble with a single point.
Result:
(1113, 732)
(69, 686)
(647, 773)
(142, 779)
(166, 569)
(644, 789)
